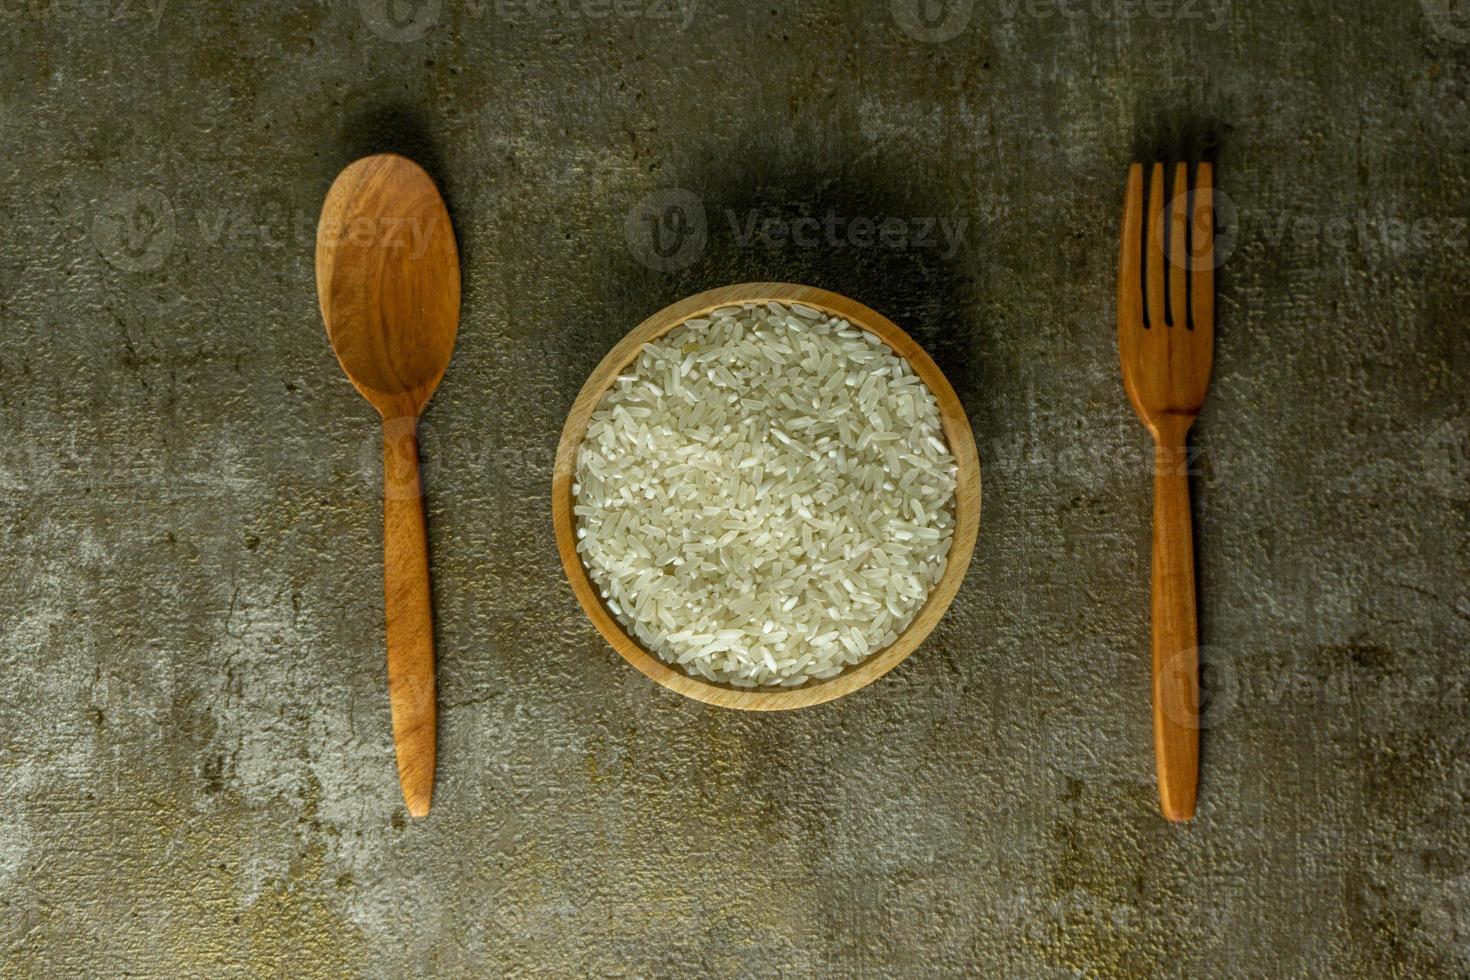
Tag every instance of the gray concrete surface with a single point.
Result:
(195, 769)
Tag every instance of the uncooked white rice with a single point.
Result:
(765, 496)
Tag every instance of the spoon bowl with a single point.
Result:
(387, 274)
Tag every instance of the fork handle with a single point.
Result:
(1175, 633)
(409, 613)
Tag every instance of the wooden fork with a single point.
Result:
(1166, 330)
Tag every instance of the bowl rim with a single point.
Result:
(957, 432)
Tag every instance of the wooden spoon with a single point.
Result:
(387, 276)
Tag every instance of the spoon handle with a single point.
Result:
(409, 613)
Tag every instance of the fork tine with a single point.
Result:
(1154, 261)
(1178, 248)
(1202, 250)
(1130, 252)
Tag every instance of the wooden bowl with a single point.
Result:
(967, 498)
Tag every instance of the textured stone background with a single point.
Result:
(195, 768)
